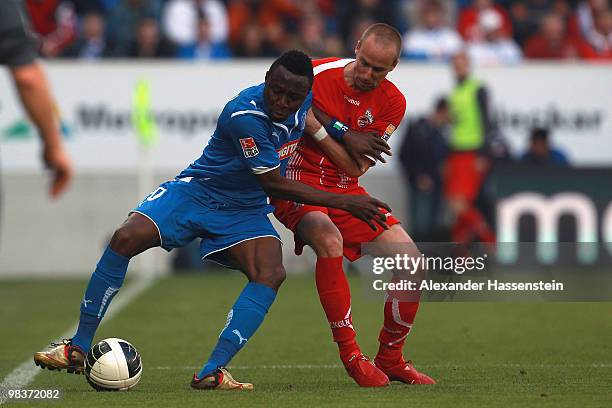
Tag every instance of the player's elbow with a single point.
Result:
(272, 191)
(271, 185)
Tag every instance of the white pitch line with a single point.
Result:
(333, 366)
(25, 373)
(255, 367)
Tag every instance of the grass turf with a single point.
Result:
(482, 354)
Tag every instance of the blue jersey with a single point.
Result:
(246, 142)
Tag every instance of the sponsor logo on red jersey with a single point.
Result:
(249, 147)
(352, 101)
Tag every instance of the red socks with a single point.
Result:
(471, 225)
(335, 296)
(399, 317)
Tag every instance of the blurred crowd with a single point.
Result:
(492, 32)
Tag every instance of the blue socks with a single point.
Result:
(103, 286)
(243, 320)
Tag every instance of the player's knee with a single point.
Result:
(272, 276)
(27, 76)
(125, 242)
(328, 245)
(278, 276)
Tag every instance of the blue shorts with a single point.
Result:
(182, 211)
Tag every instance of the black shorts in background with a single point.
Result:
(17, 44)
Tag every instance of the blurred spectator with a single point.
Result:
(56, 23)
(495, 48)
(496, 151)
(84, 7)
(359, 26)
(551, 42)
(181, 21)
(466, 166)
(469, 20)
(409, 13)
(354, 14)
(524, 22)
(422, 155)
(312, 39)
(582, 22)
(434, 40)
(149, 42)
(109, 4)
(269, 16)
(91, 43)
(254, 44)
(204, 47)
(540, 150)
(123, 21)
(598, 44)
(240, 13)
(277, 13)
(264, 28)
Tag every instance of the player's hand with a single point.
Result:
(58, 162)
(370, 144)
(368, 209)
(425, 183)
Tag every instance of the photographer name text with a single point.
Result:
(492, 285)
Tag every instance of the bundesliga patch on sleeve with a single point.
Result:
(249, 147)
(389, 131)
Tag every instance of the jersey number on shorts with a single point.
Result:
(156, 194)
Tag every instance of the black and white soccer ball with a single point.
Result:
(113, 365)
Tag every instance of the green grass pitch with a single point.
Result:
(481, 354)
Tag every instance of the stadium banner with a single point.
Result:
(100, 120)
(549, 205)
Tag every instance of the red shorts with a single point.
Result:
(462, 177)
(354, 231)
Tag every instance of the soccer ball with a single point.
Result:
(113, 365)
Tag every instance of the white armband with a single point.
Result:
(320, 134)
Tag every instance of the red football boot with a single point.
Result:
(405, 372)
(364, 372)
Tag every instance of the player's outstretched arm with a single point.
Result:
(366, 208)
(334, 150)
(359, 144)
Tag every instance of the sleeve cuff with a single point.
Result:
(262, 170)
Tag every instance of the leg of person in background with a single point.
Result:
(435, 211)
(469, 225)
(416, 220)
(464, 176)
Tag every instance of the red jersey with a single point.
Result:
(380, 110)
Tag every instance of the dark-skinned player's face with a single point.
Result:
(372, 63)
(284, 92)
